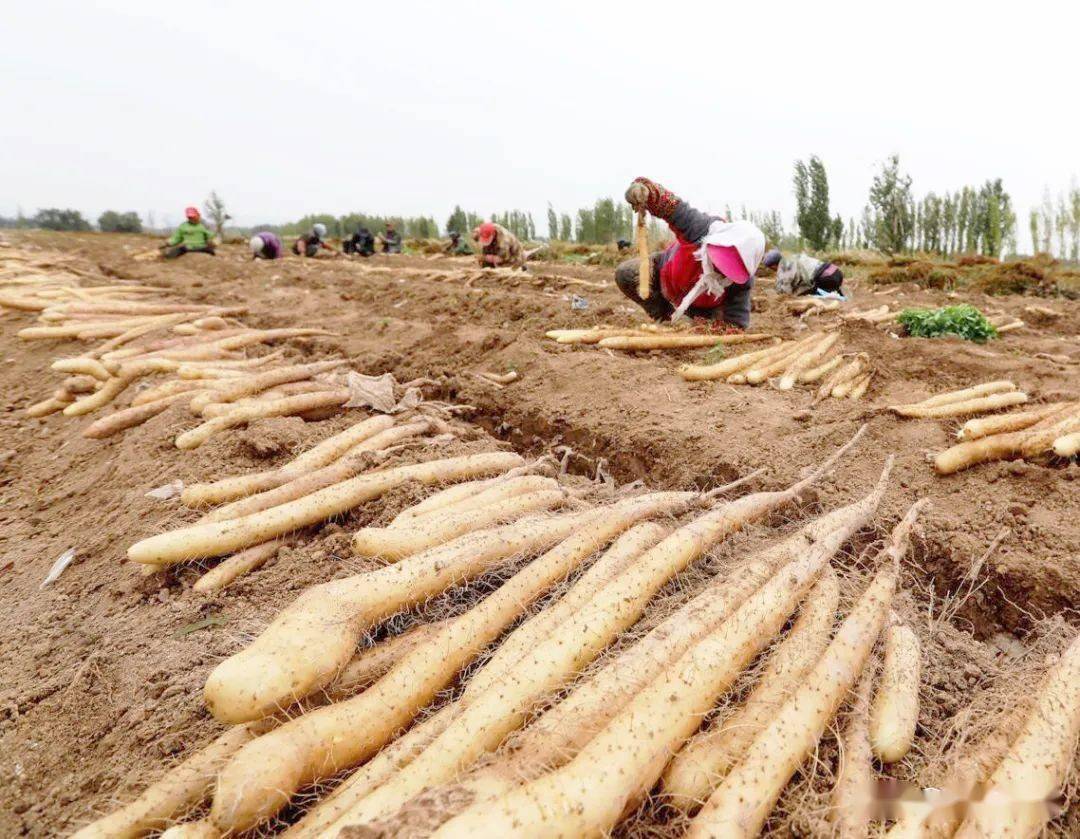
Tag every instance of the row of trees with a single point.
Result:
(1057, 223)
(973, 219)
(54, 218)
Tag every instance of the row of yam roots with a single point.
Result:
(555, 701)
(564, 717)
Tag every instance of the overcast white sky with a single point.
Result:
(289, 108)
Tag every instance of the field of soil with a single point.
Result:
(103, 669)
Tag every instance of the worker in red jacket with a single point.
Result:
(707, 272)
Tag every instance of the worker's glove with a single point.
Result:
(644, 194)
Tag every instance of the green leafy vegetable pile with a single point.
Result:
(965, 320)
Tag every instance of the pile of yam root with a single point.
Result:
(1051, 429)
(650, 337)
(814, 359)
(883, 315)
(558, 699)
(193, 353)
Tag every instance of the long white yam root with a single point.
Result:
(82, 365)
(1005, 423)
(978, 405)
(523, 640)
(620, 764)
(263, 775)
(288, 406)
(807, 360)
(353, 462)
(129, 417)
(216, 538)
(701, 764)
(966, 395)
(723, 369)
(841, 376)
(371, 663)
(250, 385)
(326, 452)
(1067, 445)
(1030, 442)
(815, 374)
(564, 729)
(471, 496)
(896, 703)
(770, 366)
(181, 789)
(229, 569)
(324, 817)
(494, 712)
(853, 791)
(397, 542)
(677, 342)
(1015, 805)
(742, 803)
(314, 637)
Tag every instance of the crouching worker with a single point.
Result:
(802, 274)
(192, 236)
(707, 272)
(265, 246)
(309, 243)
(498, 246)
(456, 246)
(361, 243)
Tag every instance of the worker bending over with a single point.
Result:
(498, 246)
(361, 243)
(192, 236)
(803, 274)
(308, 244)
(265, 245)
(707, 272)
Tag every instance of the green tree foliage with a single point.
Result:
(836, 232)
(214, 208)
(57, 219)
(113, 222)
(553, 223)
(812, 203)
(606, 221)
(517, 222)
(461, 221)
(891, 204)
(566, 227)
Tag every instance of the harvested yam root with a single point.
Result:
(678, 342)
(853, 791)
(702, 763)
(1038, 762)
(742, 803)
(1004, 423)
(621, 762)
(1028, 443)
(895, 711)
(1067, 445)
(259, 780)
(972, 400)
(216, 538)
(323, 454)
(288, 406)
(804, 361)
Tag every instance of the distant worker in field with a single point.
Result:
(391, 239)
(497, 246)
(361, 243)
(265, 245)
(456, 246)
(803, 274)
(308, 244)
(707, 272)
(192, 236)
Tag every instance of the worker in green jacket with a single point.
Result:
(192, 236)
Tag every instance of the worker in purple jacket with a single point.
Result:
(265, 246)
